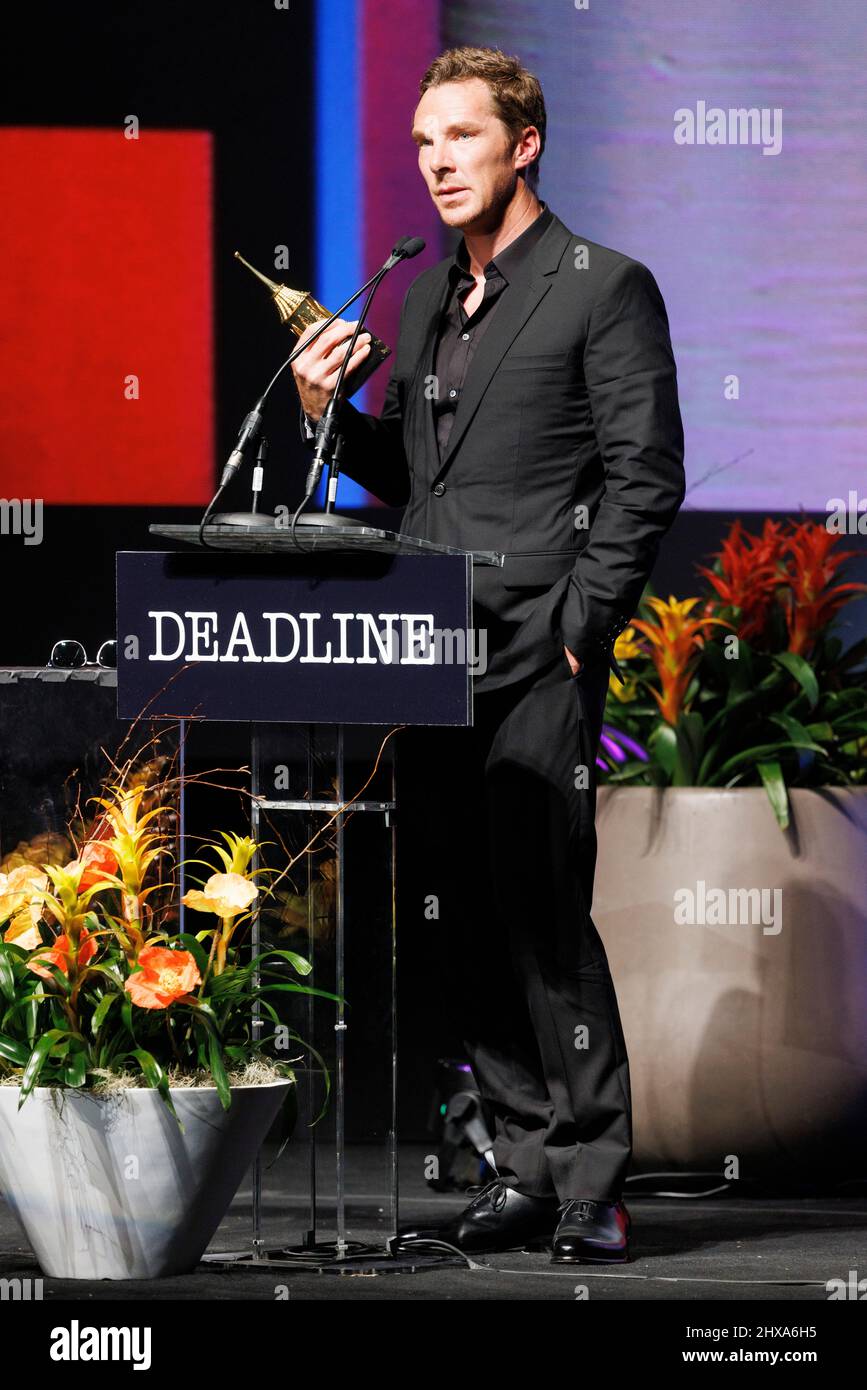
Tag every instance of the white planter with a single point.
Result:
(742, 1040)
(111, 1188)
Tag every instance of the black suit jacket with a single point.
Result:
(566, 451)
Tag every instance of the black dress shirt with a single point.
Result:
(459, 334)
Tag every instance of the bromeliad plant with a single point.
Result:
(94, 984)
(746, 685)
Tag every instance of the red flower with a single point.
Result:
(809, 574)
(99, 862)
(752, 572)
(60, 954)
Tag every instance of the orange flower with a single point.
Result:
(60, 954)
(165, 977)
(675, 642)
(99, 860)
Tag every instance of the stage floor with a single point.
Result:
(716, 1249)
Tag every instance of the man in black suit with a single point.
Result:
(532, 409)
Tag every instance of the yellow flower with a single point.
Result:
(21, 898)
(21, 932)
(224, 894)
(625, 690)
(626, 647)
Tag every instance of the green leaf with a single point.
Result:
(822, 731)
(154, 1075)
(326, 1075)
(37, 1060)
(797, 733)
(803, 674)
(689, 737)
(297, 989)
(126, 1014)
(13, 1051)
(7, 973)
(203, 1013)
(99, 1013)
(102, 968)
(57, 975)
(849, 728)
(76, 1069)
(662, 744)
(300, 964)
(218, 1071)
(629, 772)
(197, 951)
(774, 782)
(747, 756)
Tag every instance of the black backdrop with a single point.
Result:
(176, 66)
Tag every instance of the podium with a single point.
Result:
(356, 626)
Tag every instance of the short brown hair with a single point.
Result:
(516, 93)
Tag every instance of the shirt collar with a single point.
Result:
(506, 261)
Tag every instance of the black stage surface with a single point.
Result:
(728, 1247)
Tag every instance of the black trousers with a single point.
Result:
(509, 838)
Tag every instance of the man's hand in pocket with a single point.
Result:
(574, 661)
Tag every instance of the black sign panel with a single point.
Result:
(325, 638)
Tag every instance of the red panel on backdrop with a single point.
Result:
(105, 245)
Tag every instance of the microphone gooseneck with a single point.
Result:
(404, 249)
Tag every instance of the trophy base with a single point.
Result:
(374, 360)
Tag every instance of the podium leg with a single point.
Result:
(340, 1024)
(262, 801)
(257, 1244)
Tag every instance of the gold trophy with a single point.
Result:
(301, 311)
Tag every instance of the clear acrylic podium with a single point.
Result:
(340, 911)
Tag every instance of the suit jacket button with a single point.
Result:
(439, 489)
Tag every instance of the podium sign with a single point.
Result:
(323, 638)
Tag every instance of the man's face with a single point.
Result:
(464, 155)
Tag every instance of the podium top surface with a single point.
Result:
(271, 538)
(59, 675)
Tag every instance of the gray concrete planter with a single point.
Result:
(111, 1188)
(746, 1037)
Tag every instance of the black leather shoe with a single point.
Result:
(498, 1218)
(592, 1232)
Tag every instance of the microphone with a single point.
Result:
(249, 430)
(404, 250)
(326, 430)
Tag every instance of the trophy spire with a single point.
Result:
(296, 307)
(272, 284)
(300, 310)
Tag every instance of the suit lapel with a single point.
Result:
(430, 316)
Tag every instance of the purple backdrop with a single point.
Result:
(759, 256)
